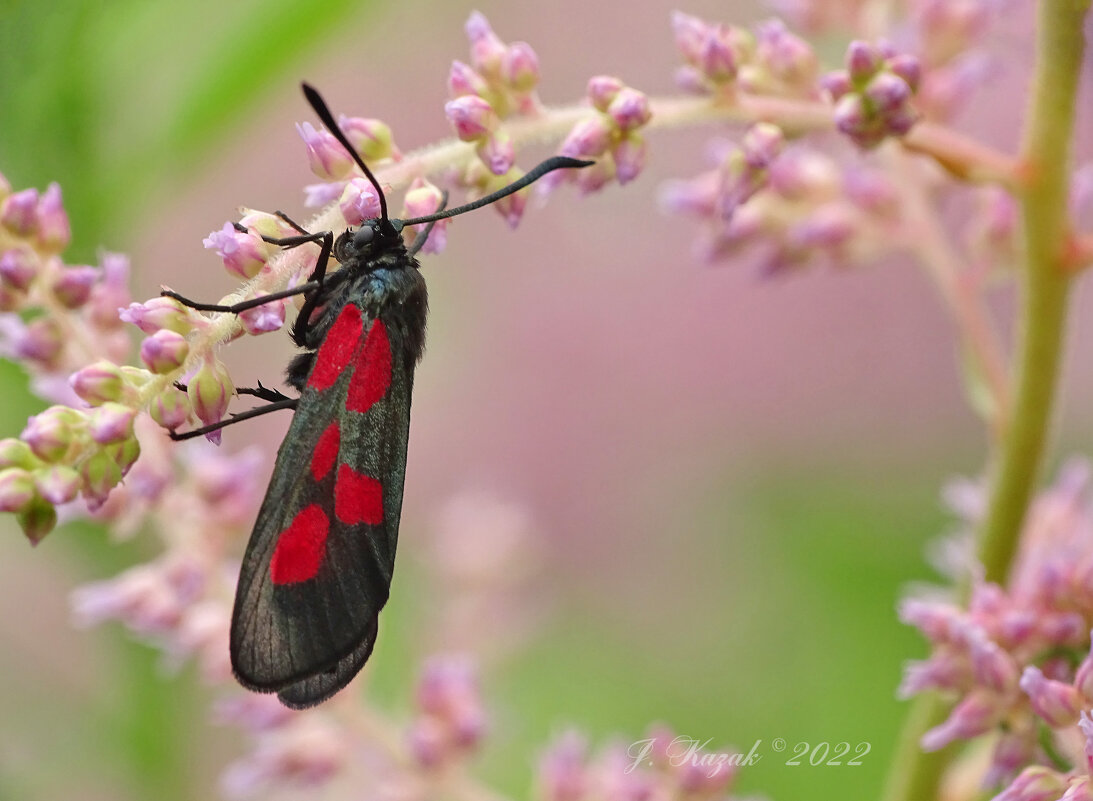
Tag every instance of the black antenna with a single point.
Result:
(327, 119)
(537, 172)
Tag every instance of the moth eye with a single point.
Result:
(364, 236)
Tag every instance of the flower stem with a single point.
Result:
(1045, 280)
(1045, 288)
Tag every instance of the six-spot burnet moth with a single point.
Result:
(318, 566)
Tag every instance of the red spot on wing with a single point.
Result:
(299, 550)
(326, 451)
(337, 349)
(372, 373)
(357, 498)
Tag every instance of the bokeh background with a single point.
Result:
(731, 479)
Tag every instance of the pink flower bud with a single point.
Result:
(975, 715)
(422, 199)
(42, 341)
(788, 58)
(16, 489)
(486, 49)
(448, 692)
(50, 433)
(588, 138)
(359, 201)
(157, 313)
(164, 351)
(762, 143)
(836, 84)
(1055, 702)
(520, 67)
(497, 152)
(37, 519)
(463, 80)
(371, 138)
(629, 155)
(16, 453)
(244, 253)
(209, 391)
(428, 742)
(19, 212)
(1034, 784)
(471, 116)
(908, 68)
(99, 474)
(124, 453)
(993, 667)
(98, 383)
(170, 409)
(54, 232)
(630, 109)
(321, 194)
(887, 92)
(862, 61)
(602, 89)
(563, 775)
(58, 484)
(18, 267)
(111, 293)
(111, 423)
(325, 154)
(73, 286)
(265, 318)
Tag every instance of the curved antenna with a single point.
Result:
(551, 164)
(327, 119)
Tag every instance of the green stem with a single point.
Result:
(1045, 281)
(1040, 337)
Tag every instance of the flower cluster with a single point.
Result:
(722, 60)
(1018, 657)
(872, 95)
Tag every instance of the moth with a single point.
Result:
(318, 567)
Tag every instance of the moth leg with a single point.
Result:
(262, 392)
(326, 238)
(287, 403)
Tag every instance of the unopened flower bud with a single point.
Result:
(18, 267)
(629, 109)
(263, 318)
(99, 474)
(588, 138)
(602, 89)
(862, 61)
(170, 409)
(58, 484)
(372, 139)
(73, 286)
(328, 159)
(497, 152)
(16, 453)
(487, 49)
(471, 116)
(164, 351)
(124, 454)
(422, 199)
(54, 232)
(16, 489)
(111, 423)
(762, 143)
(209, 392)
(629, 155)
(98, 383)
(37, 519)
(1055, 702)
(463, 80)
(244, 254)
(19, 212)
(50, 433)
(157, 313)
(359, 201)
(520, 67)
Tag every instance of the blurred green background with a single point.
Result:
(734, 479)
